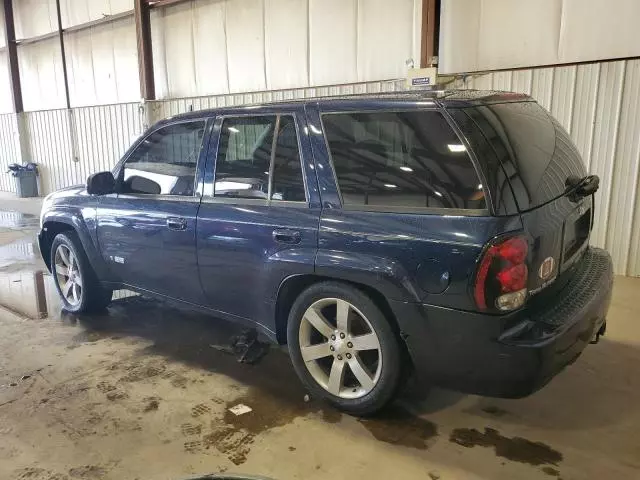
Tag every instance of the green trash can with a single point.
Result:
(26, 177)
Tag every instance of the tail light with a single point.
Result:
(501, 279)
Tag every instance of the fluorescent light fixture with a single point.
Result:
(390, 185)
(406, 169)
(235, 130)
(456, 148)
(438, 194)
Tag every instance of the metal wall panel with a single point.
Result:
(69, 145)
(76, 12)
(9, 149)
(215, 47)
(166, 108)
(599, 105)
(478, 35)
(34, 17)
(624, 225)
(102, 64)
(41, 75)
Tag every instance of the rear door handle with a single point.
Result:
(176, 223)
(284, 235)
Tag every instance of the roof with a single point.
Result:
(452, 98)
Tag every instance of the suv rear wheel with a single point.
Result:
(343, 348)
(74, 277)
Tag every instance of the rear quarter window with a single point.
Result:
(401, 160)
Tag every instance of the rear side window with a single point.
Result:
(258, 157)
(401, 159)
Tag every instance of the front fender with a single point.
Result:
(383, 274)
(83, 222)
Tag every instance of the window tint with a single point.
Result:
(287, 170)
(401, 159)
(244, 159)
(165, 162)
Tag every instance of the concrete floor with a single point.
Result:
(143, 391)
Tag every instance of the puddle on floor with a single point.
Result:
(17, 220)
(32, 293)
(516, 449)
(397, 426)
(18, 254)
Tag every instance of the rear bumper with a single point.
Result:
(515, 355)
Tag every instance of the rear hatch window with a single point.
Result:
(536, 156)
(534, 150)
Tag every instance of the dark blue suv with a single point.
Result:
(441, 232)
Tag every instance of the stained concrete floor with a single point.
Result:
(143, 392)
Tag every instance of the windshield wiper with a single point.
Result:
(577, 188)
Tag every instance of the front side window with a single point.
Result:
(401, 159)
(259, 156)
(165, 162)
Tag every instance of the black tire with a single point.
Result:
(93, 296)
(392, 366)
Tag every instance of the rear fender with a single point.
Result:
(383, 274)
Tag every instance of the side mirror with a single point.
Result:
(101, 183)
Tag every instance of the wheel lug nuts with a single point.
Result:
(333, 337)
(331, 348)
(348, 355)
(342, 335)
(350, 345)
(339, 357)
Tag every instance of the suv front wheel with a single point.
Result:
(343, 348)
(74, 277)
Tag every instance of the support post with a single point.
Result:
(145, 53)
(430, 33)
(64, 57)
(12, 53)
(22, 132)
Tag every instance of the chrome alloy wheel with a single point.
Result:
(68, 275)
(340, 348)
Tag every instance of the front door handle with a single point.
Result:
(284, 235)
(176, 223)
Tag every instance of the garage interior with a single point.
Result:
(145, 390)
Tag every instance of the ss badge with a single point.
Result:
(546, 268)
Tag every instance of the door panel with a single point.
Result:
(246, 251)
(147, 232)
(262, 226)
(144, 251)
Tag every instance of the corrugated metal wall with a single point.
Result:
(599, 105)
(9, 149)
(166, 108)
(69, 145)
